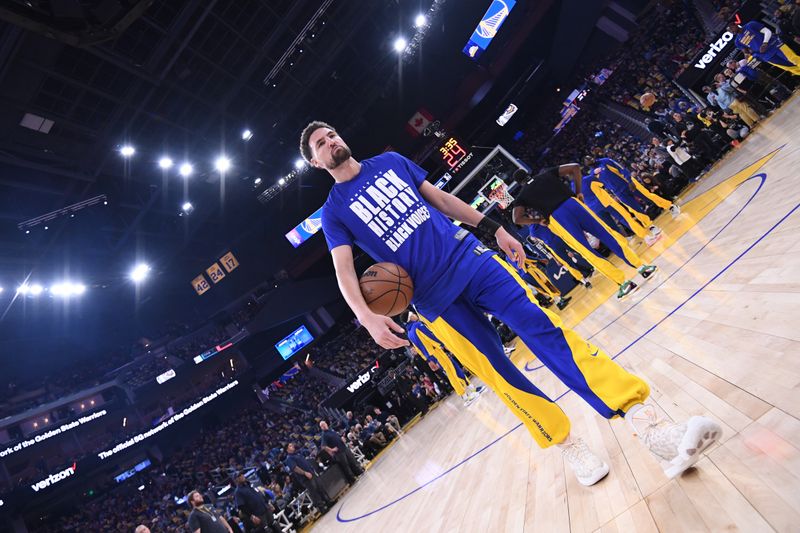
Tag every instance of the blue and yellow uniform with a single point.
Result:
(456, 281)
(598, 199)
(618, 179)
(755, 34)
(539, 278)
(430, 348)
(554, 244)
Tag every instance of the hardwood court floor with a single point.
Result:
(716, 333)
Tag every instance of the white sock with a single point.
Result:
(640, 417)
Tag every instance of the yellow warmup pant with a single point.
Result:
(498, 289)
(541, 279)
(458, 383)
(569, 222)
(794, 68)
(660, 201)
(638, 222)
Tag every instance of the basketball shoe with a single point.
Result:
(675, 210)
(646, 271)
(626, 288)
(679, 445)
(587, 467)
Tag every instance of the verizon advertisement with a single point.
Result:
(713, 56)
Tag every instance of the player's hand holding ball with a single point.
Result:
(387, 289)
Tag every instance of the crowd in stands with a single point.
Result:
(254, 439)
(350, 352)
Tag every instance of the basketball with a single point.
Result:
(387, 288)
(647, 100)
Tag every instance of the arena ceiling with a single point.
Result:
(184, 78)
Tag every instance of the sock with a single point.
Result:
(566, 442)
(641, 417)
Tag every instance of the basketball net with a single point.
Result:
(501, 196)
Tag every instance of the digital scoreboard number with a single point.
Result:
(454, 154)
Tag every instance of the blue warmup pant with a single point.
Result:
(497, 289)
(572, 218)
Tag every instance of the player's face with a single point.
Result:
(328, 150)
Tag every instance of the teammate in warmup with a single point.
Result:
(619, 181)
(599, 199)
(759, 41)
(430, 349)
(554, 205)
(556, 246)
(385, 205)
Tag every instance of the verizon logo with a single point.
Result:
(361, 380)
(54, 478)
(715, 48)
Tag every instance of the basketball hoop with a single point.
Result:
(496, 191)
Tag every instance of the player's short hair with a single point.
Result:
(305, 149)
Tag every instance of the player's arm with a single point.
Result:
(519, 216)
(379, 327)
(457, 209)
(573, 171)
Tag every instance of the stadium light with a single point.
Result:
(165, 163)
(281, 181)
(1, 289)
(257, 181)
(247, 135)
(420, 21)
(67, 289)
(139, 272)
(127, 150)
(35, 289)
(299, 163)
(186, 170)
(222, 164)
(400, 44)
(187, 207)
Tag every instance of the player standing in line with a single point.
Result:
(757, 40)
(566, 216)
(554, 244)
(599, 199)
(625, 187)
(385, 205)
(430, 348)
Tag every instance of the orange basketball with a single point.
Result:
(647, 100)
(387, 288)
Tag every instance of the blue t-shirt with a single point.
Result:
(382, 211)
(752, 38)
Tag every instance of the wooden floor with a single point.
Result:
(716, 333)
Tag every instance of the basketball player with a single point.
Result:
(385, 205)
(555, 245)
(757, 40)
(619, 181)
(542, 282)
(568, 217)
(599, 199)
(430, 348)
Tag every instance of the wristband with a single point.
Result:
(488, 225)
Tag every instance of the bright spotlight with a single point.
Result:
(299, 163)
(420, 21)
(127, 150)
(67, 289)
(165, 163)
(400, 44)
(23, 289)
(257, 181)
(1, 289)
(139, 272)
(36, 290)
(222, 164)
(186, 170)
(187, 207)
(247, 135)
(281, 181)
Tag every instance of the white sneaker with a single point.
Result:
(469, 398)
(509, 349)
(675, 210)
(681, 444)
(654, 231)
(650, 240)
(588, 468)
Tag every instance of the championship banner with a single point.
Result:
(229, 261)
(215, 273)
(200, 284)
